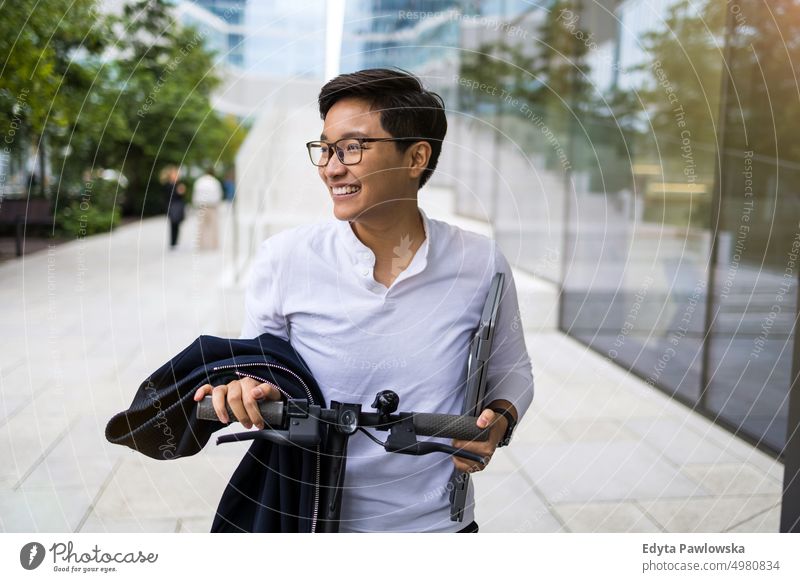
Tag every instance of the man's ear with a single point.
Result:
(418, 156)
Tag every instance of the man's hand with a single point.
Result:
(486, 448)
(242, 396)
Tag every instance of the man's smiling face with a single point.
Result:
(369, 187)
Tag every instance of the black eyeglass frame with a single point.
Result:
(360, 140)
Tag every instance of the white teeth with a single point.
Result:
(342, 190)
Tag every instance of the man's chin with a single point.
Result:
(343, 213)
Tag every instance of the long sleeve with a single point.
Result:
(263, 311)
(510, 375)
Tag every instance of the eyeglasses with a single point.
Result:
(348, 149)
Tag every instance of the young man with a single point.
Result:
(383, 297)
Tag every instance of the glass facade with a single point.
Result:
(420, 36)
(279, 38)
(641, 155)
(231, 12)
(754, 299)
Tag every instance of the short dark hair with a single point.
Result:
(407, 109)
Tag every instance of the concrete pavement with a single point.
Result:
(85, 322)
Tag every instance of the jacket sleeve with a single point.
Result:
(161, 422)
(263, 303)
(510, 375)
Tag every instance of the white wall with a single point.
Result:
(277, 187)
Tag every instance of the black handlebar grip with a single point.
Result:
(449, 426)
(271, 412)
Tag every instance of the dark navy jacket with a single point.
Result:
(275, 488)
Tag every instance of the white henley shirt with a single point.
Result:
(313, 285)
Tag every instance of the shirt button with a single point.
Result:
(365, 272)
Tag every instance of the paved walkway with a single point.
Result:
(84, 323)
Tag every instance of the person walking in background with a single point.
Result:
(206, 196)
(229, 185)
(175, 197)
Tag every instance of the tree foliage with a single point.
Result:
(549, 75)
(131, 92)
(684, 71)
(49, 64)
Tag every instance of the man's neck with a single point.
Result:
(401, 228)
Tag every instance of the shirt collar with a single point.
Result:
(362, 257)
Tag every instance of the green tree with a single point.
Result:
(130, 92)
(763, 117)
(764, 107)
(49, 52)
(165, 79)
(550, 77)
(686, 55)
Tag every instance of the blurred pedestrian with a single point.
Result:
(206, 197)
(229, 185)
(175, 196)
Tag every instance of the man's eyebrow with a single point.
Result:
(323, 137)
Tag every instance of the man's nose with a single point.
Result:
(335, 167)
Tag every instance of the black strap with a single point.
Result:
(511, 423)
